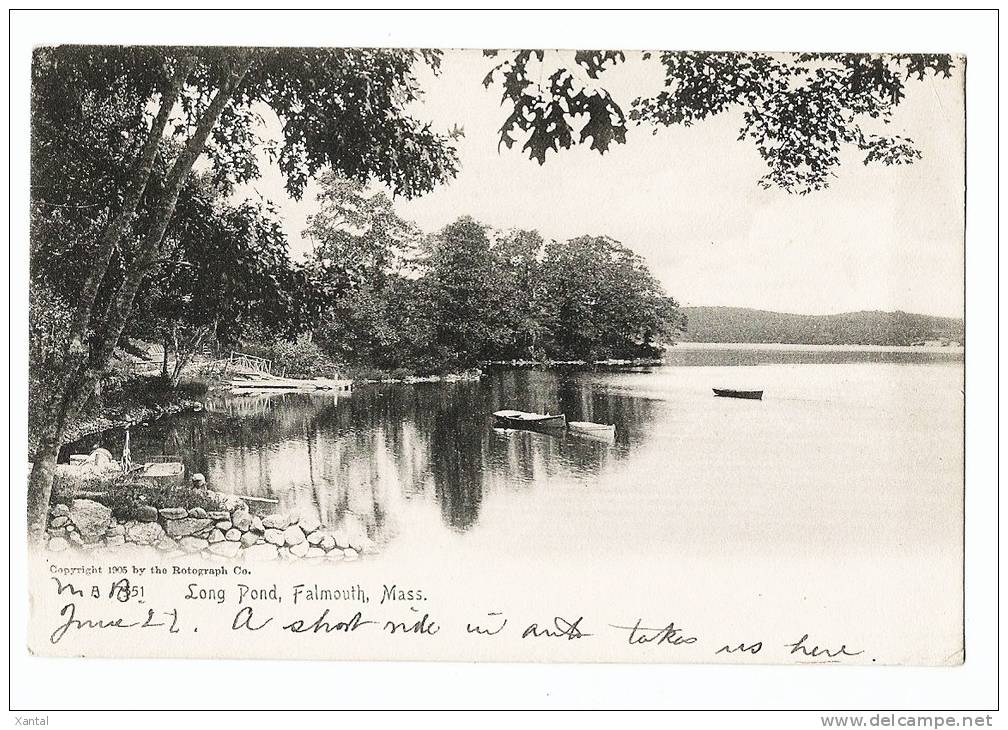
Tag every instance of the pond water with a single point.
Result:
(851, 451)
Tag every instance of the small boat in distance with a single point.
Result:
(521, 419)
(748, 394)
(588, 427)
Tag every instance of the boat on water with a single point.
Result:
(588, 427)
(521, 419)
(747, 394)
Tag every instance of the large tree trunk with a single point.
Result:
(81, 380)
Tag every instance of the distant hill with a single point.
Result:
(738, 324)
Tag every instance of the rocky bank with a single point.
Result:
(88, 526)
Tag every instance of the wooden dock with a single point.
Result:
(272, 383)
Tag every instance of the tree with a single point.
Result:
(799, 109)
(601, 301)
(466, 298)
(342, 109)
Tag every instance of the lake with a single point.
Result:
(851, 448)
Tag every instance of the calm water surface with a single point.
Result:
(851, 449)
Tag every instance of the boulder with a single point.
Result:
(274, 522)
(218, 515)
(224, 525)
(91, 518)
(58, 544)
(309, 524)
(198, 512)
(145, 533)
(59, 521)
(293, 535)
(315, 552)
(249, 538)
(315, 538)
(147, 513)
(328, 543)
(273, 536)
(216, 536)
(114, 530)
(234, 535)
(225, 549)
(186, 526)
(59, 509)
(262, 551)
(241, 520)
(173, 513)
(193, 544)
(299, 549)
(167, 544)
(257, 525)
(349, 554)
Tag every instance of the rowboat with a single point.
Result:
(588, 427)
(521, 419)
(749, 394)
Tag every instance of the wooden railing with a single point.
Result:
(251, 362)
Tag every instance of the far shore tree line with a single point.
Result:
(137, 150)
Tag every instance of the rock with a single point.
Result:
(145, 533)
(115, 540)
(218, 515)
(58, 544)
(328, 543)
(57, 531)
(91, 518)
(216, 536)
(199, 513)
(350, 554)
(299, 549)
(114, 530)
(262, 551)
(315, 538)
(274, 522)
(186, 526)
(75, 539)
(242, 520)
(59, 510)
(147, 513)
(224, 525)
(173, 513)
(309, 524)
(293, 535)
(225, 549)
(257, 525)
(285, 554)
(315, 552)
(167, 544)
(59, 521)
(193, 544)
(249, 538)
(276, 537)
(234, 535)
(342, 538)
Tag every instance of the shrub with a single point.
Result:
(125, 494)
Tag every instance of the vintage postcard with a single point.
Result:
(497, 355)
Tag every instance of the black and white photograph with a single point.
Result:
(381, 352)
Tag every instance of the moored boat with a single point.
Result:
(747, 394)
(522, 419)
(591, 428)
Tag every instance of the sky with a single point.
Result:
(687, 200)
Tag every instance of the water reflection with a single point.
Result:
(356, 459)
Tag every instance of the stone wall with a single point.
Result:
(90, 527)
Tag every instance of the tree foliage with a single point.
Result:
(800, 110)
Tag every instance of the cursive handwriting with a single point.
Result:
(817, 651)
(668, 634)
(320, 624)
(69, 612)
(482, 631)
(562, 628)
